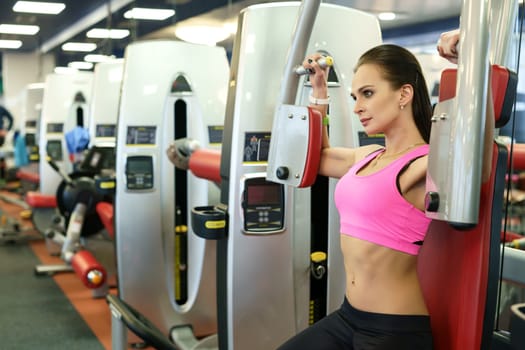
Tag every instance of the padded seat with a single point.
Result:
(39, 200)
(459, 269)
(28, 176)
(105, 212)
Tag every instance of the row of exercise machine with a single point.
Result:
(242, 251)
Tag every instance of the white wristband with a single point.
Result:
(319, 101)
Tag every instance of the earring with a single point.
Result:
(402, 106)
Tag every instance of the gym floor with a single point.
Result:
(43, 312)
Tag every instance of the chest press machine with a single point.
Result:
(460, 259)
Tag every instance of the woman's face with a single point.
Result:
(377, 105)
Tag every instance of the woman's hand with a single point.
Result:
(447, 45)
(318, 77)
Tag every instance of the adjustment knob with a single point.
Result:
(282, 173)
(432, 201)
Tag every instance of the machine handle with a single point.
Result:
(323, 62)
(64, 176)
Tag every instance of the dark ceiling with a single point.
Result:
(80, 16)
(77, 12)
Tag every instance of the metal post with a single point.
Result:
(303, 30)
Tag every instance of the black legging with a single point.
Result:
(352, 329)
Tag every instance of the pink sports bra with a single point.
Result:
(371, 207)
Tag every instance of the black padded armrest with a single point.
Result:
(138, 324)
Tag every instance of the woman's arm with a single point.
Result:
(335, 161)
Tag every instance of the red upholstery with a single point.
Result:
(459, 269)
(105, 212)
(83, 263)
(39, 200)
(313, 156)
(206, 164)
(504, 84)
(454, 268)
(510, 236)
(28, 176)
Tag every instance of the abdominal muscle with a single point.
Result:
(381, 280)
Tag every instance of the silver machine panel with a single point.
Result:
(105, 102)
(145, 224)
(33, 96)
(59, 113)
(265, 294)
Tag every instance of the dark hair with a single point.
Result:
(399, 67)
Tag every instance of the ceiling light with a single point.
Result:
(10, 44)
(48, 8)
(202, 34)
(65, 70)
(386, 16)
(80, 65)
(18, 29)
(83, 47)
(231, 26)
(97, 58)
(147, 13)
(102, 33)
(36, 86)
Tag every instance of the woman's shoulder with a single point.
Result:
(364, 151)
(416, 168)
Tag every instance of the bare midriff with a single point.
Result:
(380, 279)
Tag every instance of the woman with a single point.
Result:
(380, 199)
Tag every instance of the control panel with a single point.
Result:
(139, 173)
(262, 205)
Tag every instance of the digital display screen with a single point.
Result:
(263, 194)
(141, 135)
(31, 124)
(139, 166)
(54, 150)
(30, 140)
(105, 130)
(55, 127)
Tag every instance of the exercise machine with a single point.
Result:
(29, 174)
(81, 241)
(57, 118)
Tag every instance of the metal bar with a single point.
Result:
(303, 30)
(467, 130)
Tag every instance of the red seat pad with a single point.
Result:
(39, 200)
(83, 263)
(28, 176)
(504, 84)
(105, 212)
(453, 267)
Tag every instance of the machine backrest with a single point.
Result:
(458, 269)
